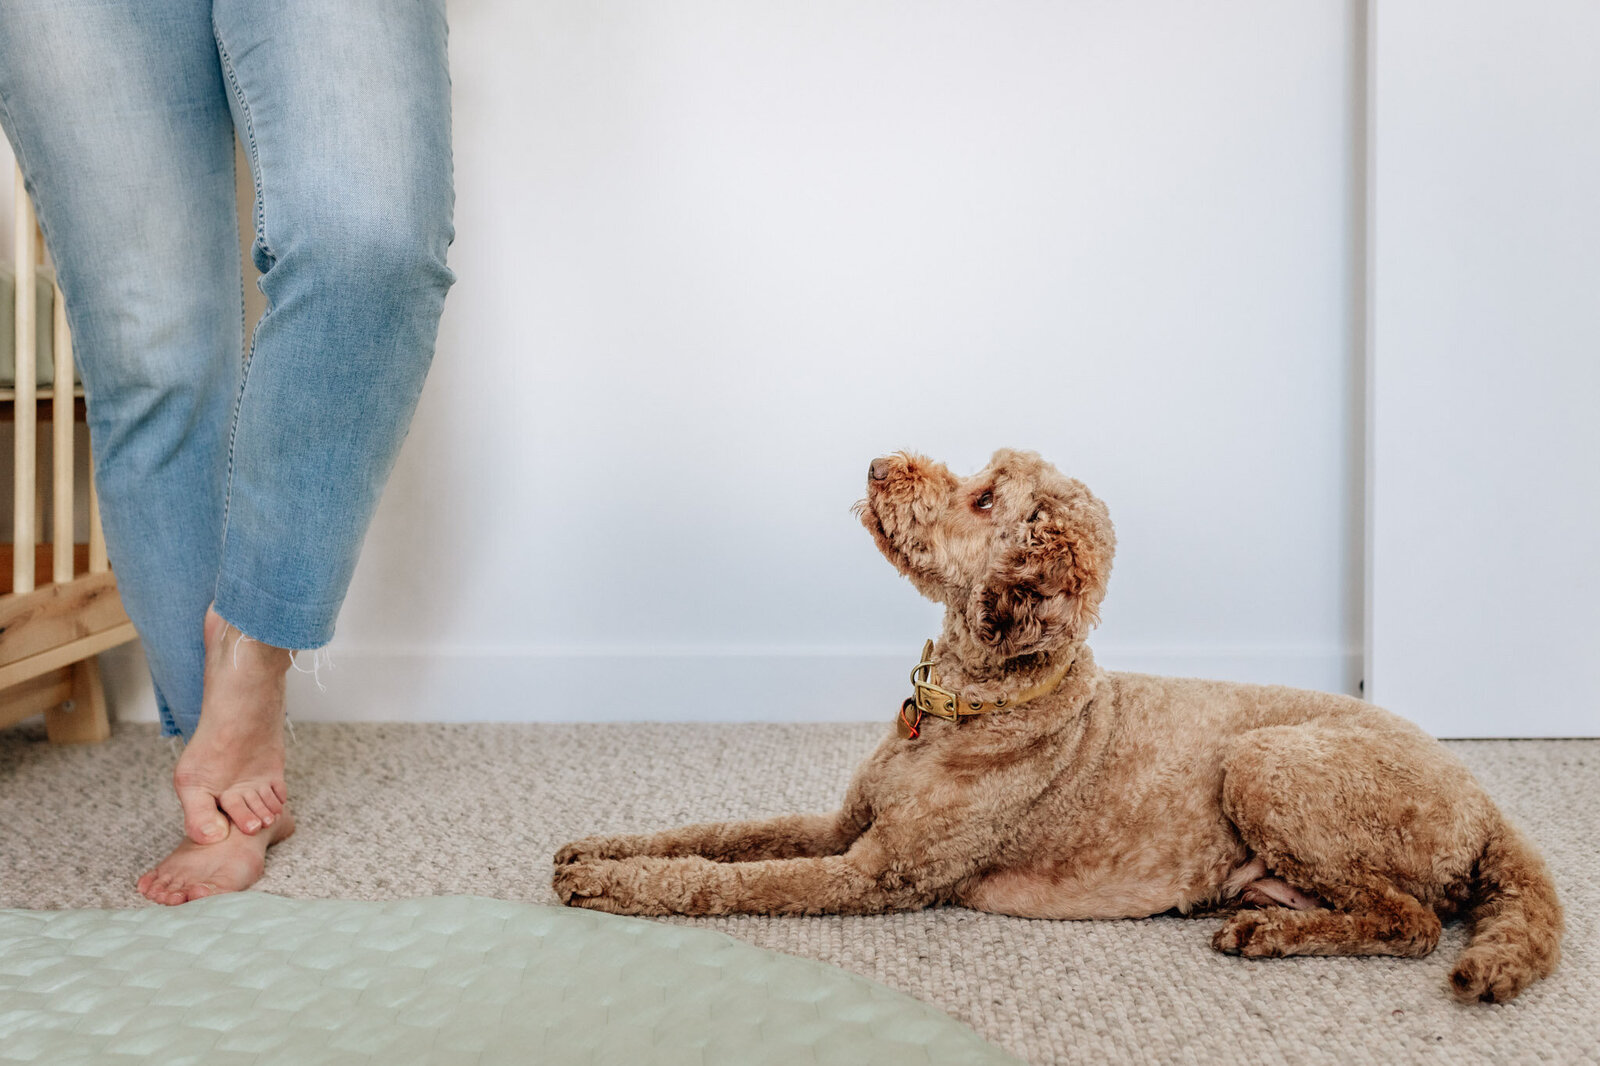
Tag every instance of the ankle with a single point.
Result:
(241, 650)
(253, 655)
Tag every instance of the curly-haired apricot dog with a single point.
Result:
(1025, 780)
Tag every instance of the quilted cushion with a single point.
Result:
(254, 978)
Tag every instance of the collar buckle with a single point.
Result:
(928, 697)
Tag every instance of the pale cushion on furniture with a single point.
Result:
(254, 978)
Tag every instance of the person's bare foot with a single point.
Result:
(196, 870)
(233, 765)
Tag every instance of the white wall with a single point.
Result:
(714, 257)
(1485, 481)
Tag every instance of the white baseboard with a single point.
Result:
(810, 685)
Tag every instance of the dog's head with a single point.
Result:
(1018, 551)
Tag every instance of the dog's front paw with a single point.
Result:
(575, 882)
(612, 885)
(1248, 933)
(587, 850)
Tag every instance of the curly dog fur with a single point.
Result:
(1320, 824)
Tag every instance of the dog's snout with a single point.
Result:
(879, 469)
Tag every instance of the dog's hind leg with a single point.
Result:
(1368, 824)
(1377, 921)
(789, 837)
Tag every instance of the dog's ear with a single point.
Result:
(1044, 589)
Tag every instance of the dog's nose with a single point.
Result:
(879, 469)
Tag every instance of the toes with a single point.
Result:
(280, 792)
(147, 888)
(251, 809)
(155, 886)
(234, 805)
(202, 822)
(274, 797)
(257, 803)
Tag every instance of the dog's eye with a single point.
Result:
(984, 502)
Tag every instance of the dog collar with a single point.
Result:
(929, 697)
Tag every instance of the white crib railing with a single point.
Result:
(49, 635)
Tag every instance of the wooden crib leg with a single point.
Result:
(86, 722)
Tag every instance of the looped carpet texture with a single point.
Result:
(389, 812)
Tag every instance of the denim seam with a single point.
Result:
(260, 213)
(260, 206)
(244, 313)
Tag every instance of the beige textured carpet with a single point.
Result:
(390, 811)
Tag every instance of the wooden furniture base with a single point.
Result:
(72, 699)
(50, 633)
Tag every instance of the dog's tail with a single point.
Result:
(1516, 922)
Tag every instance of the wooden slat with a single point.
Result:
(27, 381)
(62, 425)
(8, 396)
(42, 554)
(59, 624)
(83, 719)
(35, 695)
(66, 654)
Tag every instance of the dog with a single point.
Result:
(1023, 779)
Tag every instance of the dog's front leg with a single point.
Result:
(861, 881)
(791, 836)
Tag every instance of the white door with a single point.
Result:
(1484, 366)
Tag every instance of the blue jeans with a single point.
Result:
(247, 480)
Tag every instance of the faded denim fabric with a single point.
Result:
(249, 481)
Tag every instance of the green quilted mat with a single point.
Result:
(254, 978)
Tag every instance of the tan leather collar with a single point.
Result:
(930, 698)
